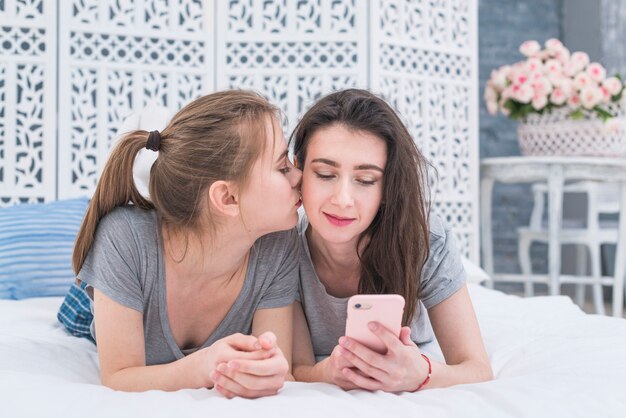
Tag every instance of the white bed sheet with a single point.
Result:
(550, 360)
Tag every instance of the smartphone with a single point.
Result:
(363, 309)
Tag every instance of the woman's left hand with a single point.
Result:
(401, 369)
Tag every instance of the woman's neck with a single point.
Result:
(337, 264)
(207, 259)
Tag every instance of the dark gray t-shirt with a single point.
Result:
(126, 264)
(442, 276)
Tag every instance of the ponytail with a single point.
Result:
(116, 187)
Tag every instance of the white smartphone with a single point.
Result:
(363, 309)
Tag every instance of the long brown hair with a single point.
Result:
(392, 260)
(215, 137)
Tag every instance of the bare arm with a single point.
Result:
(402, 368)
(280, 322)
(121, 350)
(305, 369)
(457, 331)
(254, 378)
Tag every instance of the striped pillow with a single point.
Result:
(36, 243)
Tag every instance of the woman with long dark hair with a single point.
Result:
(368, 230)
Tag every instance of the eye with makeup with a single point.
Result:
(363, 181)
(286, 166)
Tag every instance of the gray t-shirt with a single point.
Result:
(126, 263)
(442, 276)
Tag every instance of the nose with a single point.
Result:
(342, 194)
(295, 177)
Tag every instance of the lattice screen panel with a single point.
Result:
(424, 61)
(27, 101)
(114, 57)
(118, 56)
(293, 52)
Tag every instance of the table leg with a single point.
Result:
(486, 235)
(555, 206)
(620, 263)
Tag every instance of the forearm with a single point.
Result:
(180, 374)
(309, 373)
(469, 371)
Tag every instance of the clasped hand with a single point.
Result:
(401, 369)
(247, 366)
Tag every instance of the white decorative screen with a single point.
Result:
(27, 101)
(293, 52)
(118, 56)
(114, 57)
(424, 61)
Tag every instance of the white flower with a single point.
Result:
(582, 80)
(492, 106)
(504, 110)
(499, 77)
(580, 59)
(596, 72)
(613, 85)
(590, 96)
(490, 92)
(530, 48)
(553, 45)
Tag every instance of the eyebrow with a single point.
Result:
(356, 167)
(282, 156)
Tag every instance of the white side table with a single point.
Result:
(554, 171)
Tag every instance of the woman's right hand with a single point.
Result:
(235, 346)
(260, 374)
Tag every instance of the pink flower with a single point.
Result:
(563, 55)
(530, 48)
(582, 80)
(596, 71)
(606, 96)
(613, 85)
(558, 96)
(542, 86)
(574, 100)
(553, 66)
(523, 93)
(492, 107)
(539, 101)
(534, 65)
(590, 96)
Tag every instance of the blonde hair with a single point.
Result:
(216, 137)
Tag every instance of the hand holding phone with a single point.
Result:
(387, 310)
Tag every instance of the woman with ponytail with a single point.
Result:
(177, 281)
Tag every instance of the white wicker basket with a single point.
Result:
(556, 134)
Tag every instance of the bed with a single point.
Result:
(550, 360)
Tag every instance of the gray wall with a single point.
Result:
(503, 26)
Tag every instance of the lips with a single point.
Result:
(298, 203)
(338, 220)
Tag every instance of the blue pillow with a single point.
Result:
(36, 243)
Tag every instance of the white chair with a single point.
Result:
(150, 118)
(588, 236)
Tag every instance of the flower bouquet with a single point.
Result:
(566, 104)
